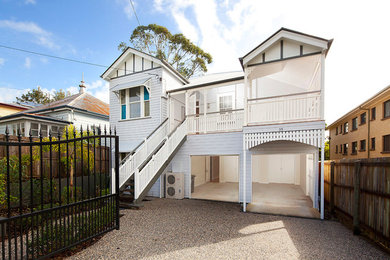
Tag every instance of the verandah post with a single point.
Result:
(332, 165)
(356, 198)
(117, 178)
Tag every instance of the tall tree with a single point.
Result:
(186, 57)
(36, 96)
(60, 94)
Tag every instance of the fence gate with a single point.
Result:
(56, 191)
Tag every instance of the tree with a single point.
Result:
(36, 96)
(176, 49)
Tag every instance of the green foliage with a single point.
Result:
(326, 151)
(186, 57)
(38, 96)
(60, 94)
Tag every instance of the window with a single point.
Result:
(341, 148)
(354, 124)
(373, 143)
(386, 109)
(341, 129)
(225, 103)
(44, 130)
(337, 130)
(363, 118)
(337, 149)
(345, 149)
(345, 127)
(34, 129)
(135, 102)
(123, 103)
(362, 145)
(16, 127)
(386, 143)
(146, 102)
(54, 131)
(373, 113)
(354, 148)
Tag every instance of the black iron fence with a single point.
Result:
(57, 191)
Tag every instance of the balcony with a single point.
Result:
(297, 107)
(226, 121)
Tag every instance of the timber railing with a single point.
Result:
(358, 191)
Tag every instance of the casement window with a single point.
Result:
(44, 130)
(386, 143)
(354, 148)
(345, 149)
(386, 109)
(337, 130)
(345, 127)
(225, 102)
(16, 127)
(341, 129)
(363, 118)
(337, 149)
(54, 130)
(341, 148)
(34, 129)
(373, 113)
(354, 124)
(363, 145)
(373, 143)
(135, 102)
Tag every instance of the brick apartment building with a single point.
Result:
(364, 132)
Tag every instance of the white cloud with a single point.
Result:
(356, 65)
(27, 2)
(97, 88)
(41, 36)
(127, 8)
(2, 61)
(27, 63)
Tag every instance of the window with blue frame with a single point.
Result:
(135, 102)
(123, 103)
(146, 102)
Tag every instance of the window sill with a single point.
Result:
(134, 119)
(344, 154)
(345, 133)
(372, 149)
(360, 151)
(353, 130)
(362, 124)
(355, 153)
(385, 118)
(385, 152)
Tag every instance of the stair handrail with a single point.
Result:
(134, 159)
(143, 176)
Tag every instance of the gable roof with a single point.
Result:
(278, 35)
(33, 116)
(80, 101)
(14, 105)
(130, 50)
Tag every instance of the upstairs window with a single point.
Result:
(373, 143)
(363, 118)
(345, 149)
(354, 124)
(337, 130)
(337, 149)
(386, 143)
(135, 103)
(345, 127)
(363, 145)
(341, 148)
(373, 113)
(354, 148)
(386, 109)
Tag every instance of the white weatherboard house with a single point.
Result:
(250, 137)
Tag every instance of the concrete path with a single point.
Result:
(195, 229)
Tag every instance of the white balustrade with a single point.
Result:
(132, 162)
(216, 122)
(283, 109)
(144, 177)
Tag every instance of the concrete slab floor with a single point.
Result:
(227, 191)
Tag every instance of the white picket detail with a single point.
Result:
(144, 177)
(132, 162)
(216, 122)
(311, 137)
(289, 108)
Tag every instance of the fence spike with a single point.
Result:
(100, 130)
(93, 129)
(30, 133)
(50, 134)
(19, 134)
(66, 133)
(105, 130)
(109, 130)
(81, 130)
(114, 130)
(87, 130)
(40, 133)
(6, 130)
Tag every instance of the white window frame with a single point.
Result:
(141, 101)
(226, 95)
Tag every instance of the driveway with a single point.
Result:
(196, 229)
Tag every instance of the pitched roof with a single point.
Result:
(34, 116)
(15, 105)
(82, 101)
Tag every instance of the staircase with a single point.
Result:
(140, 169)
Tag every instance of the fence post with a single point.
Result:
(356, 198)
(332, 165)
(117, 179)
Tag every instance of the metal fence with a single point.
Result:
(57, 191)
(358, 192)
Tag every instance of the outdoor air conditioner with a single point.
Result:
(174, 185)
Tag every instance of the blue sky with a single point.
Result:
(357, 64)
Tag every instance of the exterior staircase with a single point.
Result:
(140, 169)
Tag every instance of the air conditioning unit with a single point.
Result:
(174, 185)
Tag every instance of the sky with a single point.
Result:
(357, 66)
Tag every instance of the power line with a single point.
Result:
(135, 13)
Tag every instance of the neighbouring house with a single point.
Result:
(364, 132)
(81, 110)
(11, 108)
(250, 137)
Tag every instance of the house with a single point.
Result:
(11, 108)
(250, 137)
(81, 110)
(364, 132)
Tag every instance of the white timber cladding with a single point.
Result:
(87, 120)
(213, 144)
(135, 130)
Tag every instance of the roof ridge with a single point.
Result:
(74, 100)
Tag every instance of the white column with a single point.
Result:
(205, 110)
(322, 172)
(322, 86)
(187, 104)
(244, 175)
(246, 109)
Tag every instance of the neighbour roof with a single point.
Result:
(14, 105)
(211, 79)
(34, 116)
(385, 91)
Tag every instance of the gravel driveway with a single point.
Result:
(195, 229)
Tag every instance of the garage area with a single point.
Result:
(215, 177)
(284, 182)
